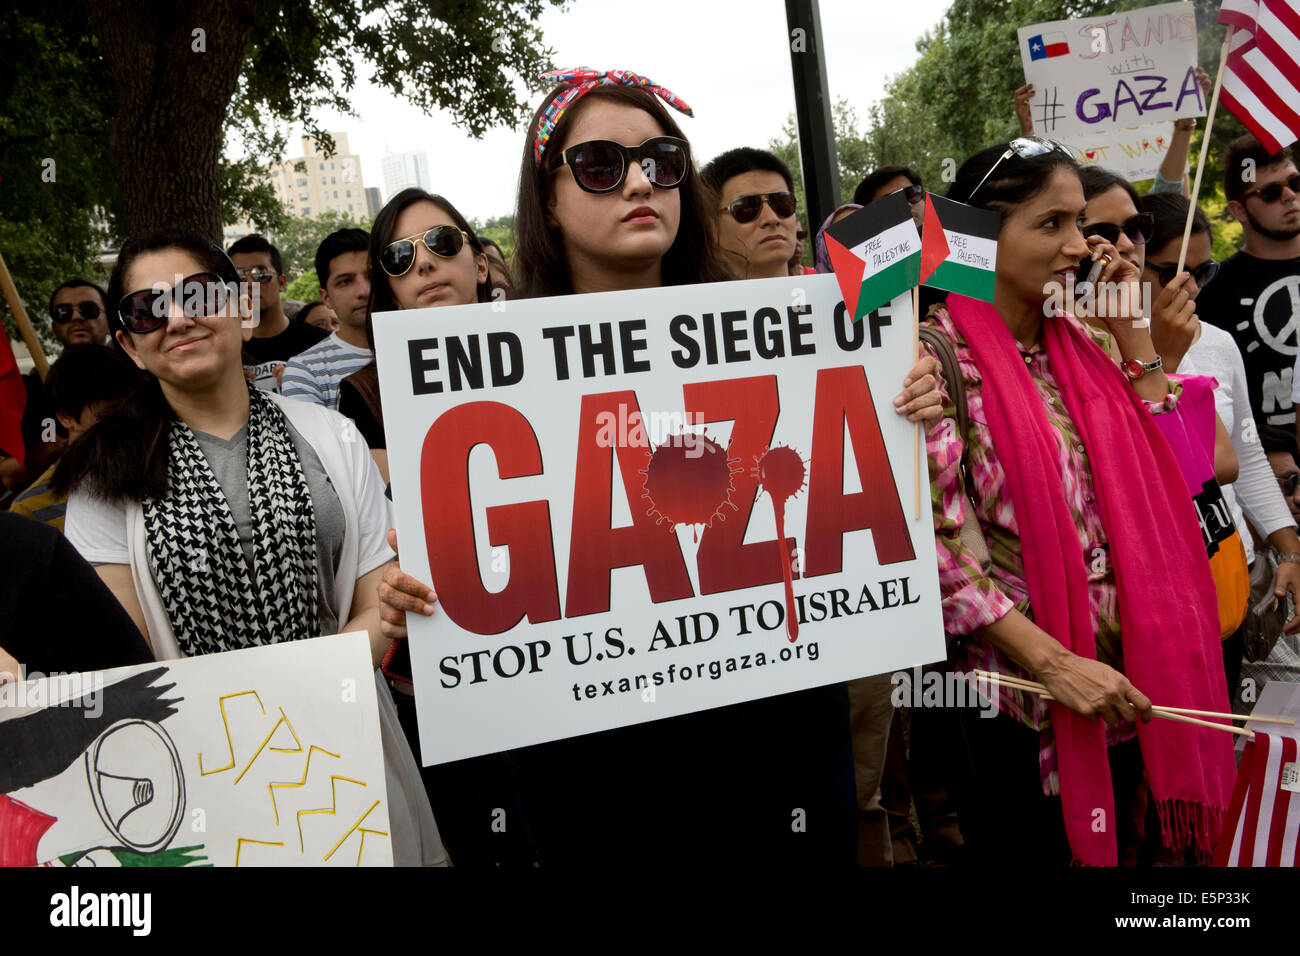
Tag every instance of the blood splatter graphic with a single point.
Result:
(781, 473)
(688, 481)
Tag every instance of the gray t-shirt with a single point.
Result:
(229, 462)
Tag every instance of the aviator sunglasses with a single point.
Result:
(445, 242)
(745, 209)
(202, 294)
(87, 310)
(601, 166)
(1138, 228)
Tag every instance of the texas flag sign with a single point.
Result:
(875, 254)
(1044, 46)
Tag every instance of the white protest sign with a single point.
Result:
(1135, 152)
(596, 485)
(1114, 70)
(269, 756)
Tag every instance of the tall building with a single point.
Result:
(373, 204)
(325, 184)
(403, 170)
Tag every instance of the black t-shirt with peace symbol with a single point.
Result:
(1258, 302)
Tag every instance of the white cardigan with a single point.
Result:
(94, 528)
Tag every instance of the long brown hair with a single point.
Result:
(540, 260)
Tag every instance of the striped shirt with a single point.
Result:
(972, 599)
(41, 504)
(314, 375)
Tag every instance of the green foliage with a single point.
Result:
(501, 230)
(56, 193)
(299, 236)
(305, 288)
(479, 61)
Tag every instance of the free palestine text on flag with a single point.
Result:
(875, 254)
(960, 247)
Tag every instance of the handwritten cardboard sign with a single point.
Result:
(1112, 71)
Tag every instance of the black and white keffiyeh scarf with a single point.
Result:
(212, 601)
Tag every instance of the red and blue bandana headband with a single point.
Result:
(583, 80)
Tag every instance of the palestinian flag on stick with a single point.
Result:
(875, 254)
(959, 250)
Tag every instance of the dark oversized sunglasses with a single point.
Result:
(1289, 483)
(746, 208)
(87, 310)
(1203, 273)
(1138, 228)
(202, 294)
(913, 194)
(445, 242)
(601, 166)
(1273, 191)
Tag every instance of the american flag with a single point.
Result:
(1261, 80)
(1263, 823)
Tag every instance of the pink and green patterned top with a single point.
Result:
(972, 599)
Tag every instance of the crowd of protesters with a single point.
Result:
(1115, 498)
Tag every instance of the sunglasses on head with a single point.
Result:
(87, 310)
(445, 242)
(202, 294)
(1024, 147)
(1203, 273)
(746, 208)
(1138, 228)
(601, 166)
(1273, 191)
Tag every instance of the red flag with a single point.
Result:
(1261, 79)
(1263, 823)
(13, 399)
(934, 243)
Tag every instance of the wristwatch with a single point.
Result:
(1136, 368)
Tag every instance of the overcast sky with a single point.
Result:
(729, 59)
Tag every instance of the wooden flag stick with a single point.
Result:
(24, 323)
(917, 447)
(1205, 148)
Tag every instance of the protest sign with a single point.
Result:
(268, 756)
(1112, 71)
(641, 504)
(1134, 152)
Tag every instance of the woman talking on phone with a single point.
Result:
(1097, 583)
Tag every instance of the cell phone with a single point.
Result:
(1085, 276)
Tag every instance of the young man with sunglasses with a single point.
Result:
(879, 183)
(78, 314)
(314, 374)
(1256, 294)
(755, 212)
(275, 339)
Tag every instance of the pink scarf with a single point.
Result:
(1167, 604)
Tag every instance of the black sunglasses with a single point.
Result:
(445, 242)
(913, 194)
(1138, 228)
(1203, 273)
(1273, 191)
(746, 208)
(1289, 483)
(601, 166)
(87, 310)
(202, 294)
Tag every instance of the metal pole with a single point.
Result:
(821, 174)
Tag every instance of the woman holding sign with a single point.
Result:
(609, 200)
(1087, 519)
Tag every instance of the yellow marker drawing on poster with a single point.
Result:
(225, 722)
